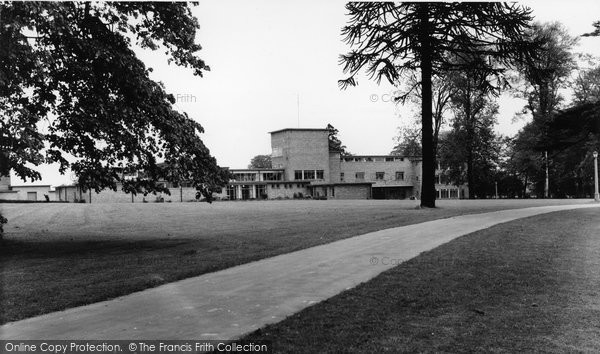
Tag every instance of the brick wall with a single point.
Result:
(352, 192)
(22, 192)
(389, 169)
(4, 183)
(300, 150)
(282, 192)
(334, 167)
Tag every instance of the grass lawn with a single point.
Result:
(57, 256)
(532, 285)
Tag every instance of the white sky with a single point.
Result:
(264, 54)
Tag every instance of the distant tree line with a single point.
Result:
(469, 150)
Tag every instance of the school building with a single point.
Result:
(302, 166)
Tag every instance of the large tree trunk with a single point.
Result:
(470, 130)
(470, 177)
(428, 165)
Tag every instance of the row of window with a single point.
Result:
(308, 174)
(285, 185)
(246, 192)
(360, 176)
(372, 159)
(266, 176)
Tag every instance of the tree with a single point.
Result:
(543, 78)
(524, 160)
(470, 150)
(335, 144)
(260, 161)
(586, 87)
(572, 136)
(475, 143)
(388, 39)
(549, 72)
(596, 32)
(442, 91)
(408, 142)
(70, 66)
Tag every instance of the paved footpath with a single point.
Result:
(229, 303)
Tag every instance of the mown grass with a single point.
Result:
(65, 255)
(531, 285)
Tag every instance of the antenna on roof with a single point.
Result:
(298, 102)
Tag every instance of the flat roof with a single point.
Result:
(233, 170)
(36, 185)
(326, 184)
(385, 156)
(300, 130)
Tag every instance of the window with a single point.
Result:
(309, 174)
(379, 175)
(342, 177)
(360, 176)
(399, 176)
(272, 176)
(261, 192)
(231, 192)
(399, 159)
(298, 174)
(244, 176)
(319, 174)
(388, 159)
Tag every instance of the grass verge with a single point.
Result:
(531, 285)
(66, 255)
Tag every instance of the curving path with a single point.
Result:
(232, 302)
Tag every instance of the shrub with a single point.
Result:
(3, 221)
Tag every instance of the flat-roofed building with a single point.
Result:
(302, 166)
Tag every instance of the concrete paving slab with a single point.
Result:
(230, 303)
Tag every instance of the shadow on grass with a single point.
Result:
(58, 248)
